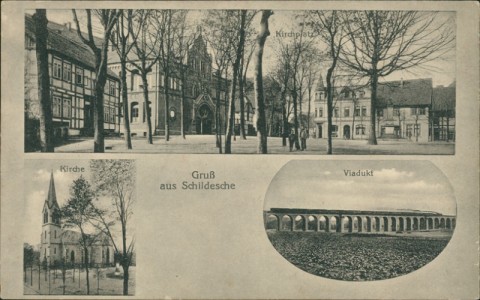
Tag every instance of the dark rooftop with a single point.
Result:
(65, 41)
(414, 92)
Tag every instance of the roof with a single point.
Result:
(51, 197)
(444, 98)
(66, 42)
(413, 92)
(354, 212)
(73, 237)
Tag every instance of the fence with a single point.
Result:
(71, 279)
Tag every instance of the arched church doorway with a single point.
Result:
(204, 120)
(72, 256)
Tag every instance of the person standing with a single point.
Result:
(291, 139)
(303, 139)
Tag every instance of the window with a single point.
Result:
(334, 130)
(396, 112)
(134, 112)
(364, 111)
(54, 250)
(67, 104)
(346, 112)
(67, 72)
(112, 88)
(320, 112)
(420, 111)
(380, 112)
(335, 112)
(56, 106)
(357, 111)
(78, 76)
(416, 130)
(45, 217)
(57, 69)
(347, 94)
(360, 130)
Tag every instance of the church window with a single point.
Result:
(45, 217)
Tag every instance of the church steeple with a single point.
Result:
(52, 195)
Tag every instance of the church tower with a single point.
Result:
(51, 246)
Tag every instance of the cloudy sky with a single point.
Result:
(282, 20)
(395, 185)
(36, 183)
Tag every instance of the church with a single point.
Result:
(58, 243)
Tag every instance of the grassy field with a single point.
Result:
(356, 257)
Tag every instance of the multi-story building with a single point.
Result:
(200, 92)
(404, 111)
(443, 113)
(72, 82)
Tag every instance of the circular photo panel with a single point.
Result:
(359, 220)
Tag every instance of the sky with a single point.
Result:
(36, 184)
(284, 21)
(395, 185)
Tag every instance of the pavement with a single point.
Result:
(205, 144)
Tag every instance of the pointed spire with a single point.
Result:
(52, 195)
(320, 86)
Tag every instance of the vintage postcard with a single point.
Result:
(240, 150)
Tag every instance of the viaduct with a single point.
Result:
(298, 219)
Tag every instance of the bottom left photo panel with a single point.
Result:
(78, 230)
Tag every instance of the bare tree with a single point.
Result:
(330, 29)
(45, 112)
(123, 38)
(115, 179)
(108, 18)
(144, 50)
(382, 42)
(259, 97)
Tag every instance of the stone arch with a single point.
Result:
(203, 119)
(359, 221)
(348, 223)
(312, 223)
(453, 223)
(430, 223)
(442, 223)
(377, 225)
(385, 223)
(72, 256)
(335, 224)
(423, 224)
(394, 224)
(286, 223)
(415, 223)
(323, 224)
(448, 224)
(401, 224)
(299, 223)
(437, 223)
(368, 223)
(409, 224)
(272, 222)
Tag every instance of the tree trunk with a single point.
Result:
(241, 96)
(86, 269)
(329, 109)
(167, 104)
(218, 123)
(182, 105)
(231, 107)
(126, 261)
(285, 128)
(146, 108)
(295, 117)
(309, 109)
(259, 97)
(126, 118)
(46, 126)
(98, 109)
(372, 136)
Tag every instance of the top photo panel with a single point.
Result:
(312, 82)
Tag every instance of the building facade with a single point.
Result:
(200, 89)
(405, 109)
(59, 244)
(72, 84)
